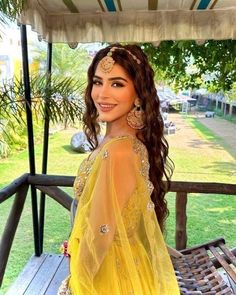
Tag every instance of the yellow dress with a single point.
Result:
(116, 246)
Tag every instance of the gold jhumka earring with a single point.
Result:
(107, 62)
(135, 117)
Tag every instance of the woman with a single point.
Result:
(116, 245)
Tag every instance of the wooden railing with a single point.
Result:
(49, 184)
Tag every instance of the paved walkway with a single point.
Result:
(222, 128)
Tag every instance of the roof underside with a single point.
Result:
(131, 21)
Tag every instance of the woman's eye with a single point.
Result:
(97, 82)
(117, 84)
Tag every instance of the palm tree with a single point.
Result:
(66, 62)
(11, 9)
(64, 101)
(63, 94)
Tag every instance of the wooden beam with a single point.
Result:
(57, 194)
(176, 186)
(181, 221)
(11, 226)
(203, 187)
(51, 180)
(11, 189)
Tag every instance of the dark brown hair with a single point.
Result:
(151, 135)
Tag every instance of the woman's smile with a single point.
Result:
(106, 107)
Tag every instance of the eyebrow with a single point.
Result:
(111, 79)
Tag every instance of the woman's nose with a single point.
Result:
(104, 90)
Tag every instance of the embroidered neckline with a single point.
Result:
(91, 158)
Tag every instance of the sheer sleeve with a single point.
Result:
(105, 196)
(116, 245)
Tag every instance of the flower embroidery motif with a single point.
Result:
(104, 229)
(64, 287)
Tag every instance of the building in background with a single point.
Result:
(10, 53)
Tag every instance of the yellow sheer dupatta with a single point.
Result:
(116, 245)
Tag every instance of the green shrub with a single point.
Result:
(13, 137)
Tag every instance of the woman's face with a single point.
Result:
(113, 94)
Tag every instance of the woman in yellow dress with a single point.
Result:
(116, 244)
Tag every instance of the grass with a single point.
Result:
(202, 130)
(207, 158)
(231, 118)
(209, 216)
(62, 160)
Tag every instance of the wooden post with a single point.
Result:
(10, 228)
(181, 220)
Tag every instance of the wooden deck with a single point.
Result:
(44, 274)
(41, 275)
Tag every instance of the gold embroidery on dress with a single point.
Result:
(105, 154)
(140, 149)
(83, 173)
(64, 288)
(104, 229)
(150, 205)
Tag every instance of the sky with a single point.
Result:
(10, 47)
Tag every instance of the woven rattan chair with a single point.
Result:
(196, 270)
(196, 267)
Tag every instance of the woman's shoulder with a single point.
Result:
(125, 145)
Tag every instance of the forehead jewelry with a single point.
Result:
(107, 62)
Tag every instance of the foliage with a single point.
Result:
(231, 94)
(14, 137)
(66, 62)
(59, 98)
(188, 65)
(11, 9)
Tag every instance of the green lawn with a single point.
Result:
(209, 216)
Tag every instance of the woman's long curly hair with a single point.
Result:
(151, 135)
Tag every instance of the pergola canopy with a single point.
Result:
(131, 20)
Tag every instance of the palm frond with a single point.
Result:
(11, 9)
(60, 98)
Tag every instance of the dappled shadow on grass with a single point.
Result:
(216, 144)
(226, 168)
(211, 216)
(211, 139)
(196, 143)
